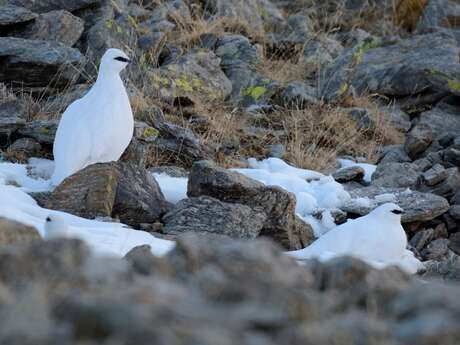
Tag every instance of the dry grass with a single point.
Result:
(407, 13)
(316, 136)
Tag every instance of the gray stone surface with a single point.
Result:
(10, 14)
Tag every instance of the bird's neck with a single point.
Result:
(108, 79)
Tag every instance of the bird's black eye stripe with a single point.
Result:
(48, 219)
(121, 58)
(397, 212)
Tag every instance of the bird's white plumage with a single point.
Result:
(98, 127)
(377, 238)
(56, 227)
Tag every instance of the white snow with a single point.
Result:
(173, 188)
(369, 169)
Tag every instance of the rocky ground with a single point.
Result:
(212, 84)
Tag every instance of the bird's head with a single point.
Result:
(114, 60)
(389, 211)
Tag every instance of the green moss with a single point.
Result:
(45, 130)
(183, 84)
(343, 89)
(109, 23)
(454, 85)
(197, 82)
(255, 92)
(363, 48)
(149, 132)
(132, 21)
(157, 79)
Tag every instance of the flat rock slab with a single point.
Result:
(398, 68)
(37, 63)
(50, 5)
(418, 206)
(209, 215)
(10, 14)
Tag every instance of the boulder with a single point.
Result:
(209, 215)
(394, 153)
(281, 223)
(50, 5)
(297, 95)
(448, 187)
(195, 78)
(10, 14)
(111, 189)
(443, 119)
(43, 131)
(394, 174)
(56, 26)
(398, 68)
(418, 140)
(418, 206)
(12, 232)
(434, 175)
(353, 173)
(37, 63)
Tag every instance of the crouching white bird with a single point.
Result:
(98, 127)
(377, 238)
(56, 227)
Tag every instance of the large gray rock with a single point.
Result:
(194, 78)
(406, 67)
(37, 63)
(418, 207)
(396, 175)
(57, 26)
(10, 14)
(443, 119)
(353, 173)
(209, 215)
(448, 187)
(111, 190)
(281, 223)
(418, 140)
(50, 5)
(43, 131)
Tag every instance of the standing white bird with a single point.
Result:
(56, 227)
(98, 127)
(377, 238)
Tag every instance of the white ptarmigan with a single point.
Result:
(98, 127)
(56, 227)
(377, 238)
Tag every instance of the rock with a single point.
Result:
(57, 26)
(194, 78)
(421, 239)
(297, 95)
(37, 63)
(12, 232)
(255, 13)
(418, 140)
(434, 175)
(24, 147)
(394, 153)
(436, 250)
(179, 145)
(238, 61)
(446, 269)
(277, 150)
(418, 207)
(50, 5)
(452, 156)
(442, 119)
(41, 130)
(10, 14)
(401, 68)
(353, 173)
(138, 196)
(454, 243)
(9, 125)
(454, 212)
(320, 51)
(209, 215)
(395, 175)
(88, 193)
(397, 117)
(111, 189)
(448, 187)
(438, 14)
(281, 223)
